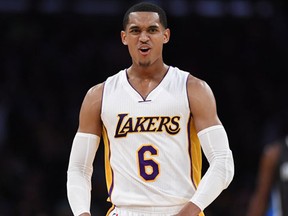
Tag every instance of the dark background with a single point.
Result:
(52, 51)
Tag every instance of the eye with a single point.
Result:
(153, 30)
(134, 30)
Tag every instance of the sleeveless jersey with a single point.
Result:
(152, 152)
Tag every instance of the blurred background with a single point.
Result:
(52, 51)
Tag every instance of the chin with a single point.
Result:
(144, 64)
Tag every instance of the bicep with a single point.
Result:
(90, 112)
(202, 104)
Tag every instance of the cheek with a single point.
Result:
(159, 47)
(132, 50)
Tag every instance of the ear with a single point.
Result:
(123, 37)
(166, 36)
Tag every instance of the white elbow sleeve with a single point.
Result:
(215, 145)
(80, 171)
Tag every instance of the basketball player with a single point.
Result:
(270, 197)
(152, 118)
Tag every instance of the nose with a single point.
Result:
(144, 37)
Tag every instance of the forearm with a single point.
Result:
(257, 206)
(80, 171)
(214, 142)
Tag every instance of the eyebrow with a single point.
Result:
(149, 27)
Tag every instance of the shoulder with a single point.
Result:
(198, 88)
(193, 83)
(93, 97)
(95, 91)
(89, 117)
(202, 103)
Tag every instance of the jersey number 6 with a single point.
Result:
(148, 168)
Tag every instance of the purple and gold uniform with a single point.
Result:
(144, 143)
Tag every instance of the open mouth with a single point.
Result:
(144, 50)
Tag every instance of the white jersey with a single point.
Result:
(150, 144)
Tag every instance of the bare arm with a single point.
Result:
(90, 113)
(259, 200)
(83, 151)
(204, 113)
(202, 104)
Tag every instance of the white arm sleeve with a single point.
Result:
(215, 145)
(80, 170)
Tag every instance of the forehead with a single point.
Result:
(143, 18)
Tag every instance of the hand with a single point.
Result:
(190, 209)
(85, 214)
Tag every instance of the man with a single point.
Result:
(152, 118)
(270, 197)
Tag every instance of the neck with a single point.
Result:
(147, 72)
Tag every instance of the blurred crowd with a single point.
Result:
(48, 62)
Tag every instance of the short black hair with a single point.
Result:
(146, 7)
